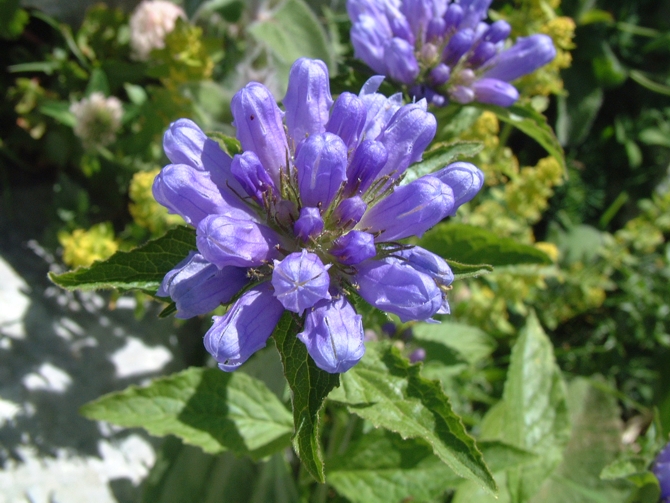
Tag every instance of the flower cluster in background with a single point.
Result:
(307, 215)
(150, 23)
(444, 51)
(97, 119)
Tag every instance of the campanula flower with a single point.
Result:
(443, 50)
(661, 469)
(308, 215)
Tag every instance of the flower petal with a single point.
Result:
(321, 165)
(300, 280)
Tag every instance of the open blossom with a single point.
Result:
(149, 23)
(443, 50)
(97, 119)
(310, 212)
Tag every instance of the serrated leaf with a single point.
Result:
(388, 391)
(467, 244)
(441, 155)
(464, 271)
(532, 123)
(381, 467)
(501, 456)
(208, 408)
(535, 412)
(142, 268)
(309, 387)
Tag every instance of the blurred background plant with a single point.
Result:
(87, 106)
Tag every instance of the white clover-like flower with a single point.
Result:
(150, 22)
(98, 119)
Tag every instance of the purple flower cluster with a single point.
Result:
(661, 469)
(443, 50)
(310, 212)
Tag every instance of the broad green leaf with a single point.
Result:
(228, 144)
(290, 32)
(211, 409)
(143, 268)
(388, 391)
(185, 473)
(532, 123)
(309, 387)
(472, 245)
(441, 155)
(59, 110)
(98, 83)
(381, 467)
(13, 19)
(578, 110)
(463, 271)
(471, 343)
(595, 441)
(622, 468)
(536, 414)
(501, 456)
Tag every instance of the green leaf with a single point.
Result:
(532, 123)
(309, 387)
(228, 144)
(13, 19)
(535, 412)
(211, 409)
(290, 32)
(500, 456)
(471, 343)
(472, 245)
(388, 391)
(381, 467)
(59, 110)
(143, 268)
(441, 155)
(463, 271)
(622, 468)
(98, 83)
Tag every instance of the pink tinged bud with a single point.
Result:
(252, 176)
(465, 180)
(347, 119)
(232, 241)
(197, 286)
(245, 328)
(307, 99)
(321, 165)
(190, 193)
(525, 56)
(418, 355)
(309, 224)
(367, 162)
(497, 32)
(400, 60)
(459, 44)
(394, 286)
(354, 247)
(410, 210)
(462, 94)
(440, 74)
(300, 280)
(349, 212)
(406, 136)
(258, 120)
(334, 335)
(495, 92)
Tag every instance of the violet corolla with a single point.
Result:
(661, 470)
(443, 50)
(307, 215)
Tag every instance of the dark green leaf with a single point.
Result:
(98, 83)
(59, 110)
(142, 268)
(578, 110)
(309, 387)
(208, 408)
(472, 245)
(228, 144)
(532, 123)
(388, 391)
(463, 271)
(471, 343)
(441, 155)
(13, 19)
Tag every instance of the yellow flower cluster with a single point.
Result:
(144, 209)
(82, 247)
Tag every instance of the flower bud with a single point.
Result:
(440, 74)
(197, 286)
(473, 12)
(309, 224)
(453, 16)
(245, 328)
(252, 176)
(497, 32)
(334, 335)
(400, 60)
(322, 165)
(465, 180)
(349, 212)
(459, 44)
(410, 210)
(483, 52)
(348, 119)
(258, 121)
(525, 56)
(394, 286)
(300, 280)
(495, 92)
(307, 99)
(462, 94)
(368, 160)
(354, 247)
(418, 355)
(226, 240)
